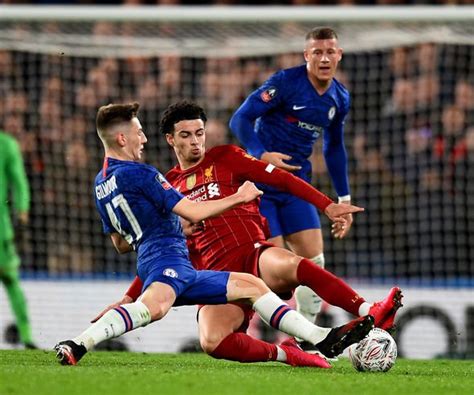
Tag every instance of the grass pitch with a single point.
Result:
(122, 373)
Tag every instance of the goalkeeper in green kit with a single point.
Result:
(12, 176)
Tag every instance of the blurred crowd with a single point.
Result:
(410, 139)
(413, 162)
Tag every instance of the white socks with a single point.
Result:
(364, 309)
(114, 323)
(308, 303)
(281, 355)
(279, 315)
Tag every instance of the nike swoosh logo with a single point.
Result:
(296, 108)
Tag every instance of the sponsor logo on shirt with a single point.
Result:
(162, 180)
(331, 113)
(170, 273)
(296, 108)
(191, 181)
(205, 192)
(268, 94)
(213, 190)
(196, 195)
(208, 176)
(317, 130)
(310, 127)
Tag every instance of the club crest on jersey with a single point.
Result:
(162, 180)
(208, 174)
(168, 272)
(268, 94)
(331, 113)
(191, 181)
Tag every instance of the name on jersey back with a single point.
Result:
(105, 189)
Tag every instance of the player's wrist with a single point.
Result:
(344, 199)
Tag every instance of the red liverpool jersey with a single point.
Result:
(220, 174)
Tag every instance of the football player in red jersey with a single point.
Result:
(236, 239)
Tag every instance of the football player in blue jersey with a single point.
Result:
(139, 209)
(279, 123)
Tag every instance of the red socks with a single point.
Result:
(330, 288)
(244, 348)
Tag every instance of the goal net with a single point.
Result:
(409, 136)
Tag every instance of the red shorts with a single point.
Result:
(245, 260)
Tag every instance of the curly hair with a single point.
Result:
(180, 111)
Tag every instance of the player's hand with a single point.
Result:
(248, 192)
(341, 215)
(340, 230)
(336, 212)
(125, 299)
(189, 227)
(277, 158)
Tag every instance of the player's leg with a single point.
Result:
(282, 270)
(307, 243)
(162, 286)
(222, 327)
(222, 330)
(9, 262)
(153, 305)
(279, 315)
(220, 335)
(301, 227)
(269, 209)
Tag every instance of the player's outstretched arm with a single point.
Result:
(197, 211)
(247, 167)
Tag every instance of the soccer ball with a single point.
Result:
(376, 352)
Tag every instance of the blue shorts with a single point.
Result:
(191, 286)
(287, 214)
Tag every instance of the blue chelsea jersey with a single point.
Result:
(136, 201)
(286, 114)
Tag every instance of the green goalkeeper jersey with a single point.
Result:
(12, 175)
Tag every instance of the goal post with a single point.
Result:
(409, 135)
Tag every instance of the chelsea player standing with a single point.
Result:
(279, 123)
(139, 209)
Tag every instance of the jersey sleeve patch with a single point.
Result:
(269, 168)
(162, 180)
(268, 94)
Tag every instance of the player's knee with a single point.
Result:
(157, 312)
(294, 260)
(210, 341)
(287, 273)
